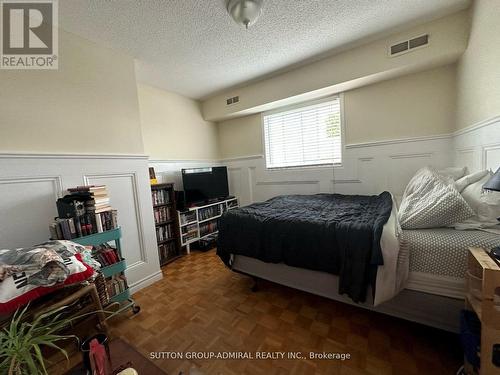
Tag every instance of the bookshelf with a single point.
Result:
(86, 210)
(85, 216)
(166, 227)
(200, 222)
(112, 271)
(483, 297)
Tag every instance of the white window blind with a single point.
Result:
(309, 135)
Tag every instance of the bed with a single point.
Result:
(438, 258)
(353, 237)
(421, 277)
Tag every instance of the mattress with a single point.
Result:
(443, 251)
(333, 233)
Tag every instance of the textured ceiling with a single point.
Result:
(194, 48)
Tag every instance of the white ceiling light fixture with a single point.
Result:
(245, 12)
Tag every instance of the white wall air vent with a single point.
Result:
(409, 45)
(233, 100)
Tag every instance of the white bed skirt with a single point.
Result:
(434, 310)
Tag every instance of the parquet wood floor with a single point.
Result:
(202, 306)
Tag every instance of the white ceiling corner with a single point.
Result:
(194, 48)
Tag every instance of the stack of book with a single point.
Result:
(102, 290)
(160, 197)
(162, 214)
(208, 227)
(116, 284)
(187, 217)
(167, 251)
(164, 233)
(86, 210)
(207, 213)
(105, 255)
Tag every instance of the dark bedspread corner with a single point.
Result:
(334, 233)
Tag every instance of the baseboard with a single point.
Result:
(145, 282)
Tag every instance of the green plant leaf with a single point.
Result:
(39, 357)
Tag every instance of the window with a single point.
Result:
(304, 136)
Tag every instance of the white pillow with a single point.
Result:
(453, 172)
(430, 202)
(489, 209)
(473, 192)
(465, 181)
(486, 204)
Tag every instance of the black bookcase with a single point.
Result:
(166, 222)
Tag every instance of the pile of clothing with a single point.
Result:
(29, 273)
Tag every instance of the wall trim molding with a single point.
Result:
(137, 209)
(398, 140)
(242, 158)
(346, 181)
(484, 153)
(386, 142)
(173, 161)
(29, 155)
(360, 145)
(56, 182)
(151, 279)
(477, 125)
(412, 156)
(286, 182)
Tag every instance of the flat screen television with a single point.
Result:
(205, 184)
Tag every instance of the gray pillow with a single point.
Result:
(430, 201)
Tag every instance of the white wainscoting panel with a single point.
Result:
(30, 185)
(124, 196)
(478, 146)
(26, 203)
(368, 168)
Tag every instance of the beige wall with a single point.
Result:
(479, 69)
(172, 127)
(241, 136)
(87, 106)
(352, 68)
(411, 106)
(418, 104)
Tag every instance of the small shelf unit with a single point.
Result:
(166, 226)
(483, 297)
(118, 268)
(200, 222)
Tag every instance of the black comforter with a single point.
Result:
(334, 233)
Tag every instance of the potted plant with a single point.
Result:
(21, 341)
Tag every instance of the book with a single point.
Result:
(85, 211)
(99, 223)
(53, 231)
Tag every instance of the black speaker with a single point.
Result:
(69, 206)
(180, 199)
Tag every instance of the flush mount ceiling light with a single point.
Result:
(244, 12)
